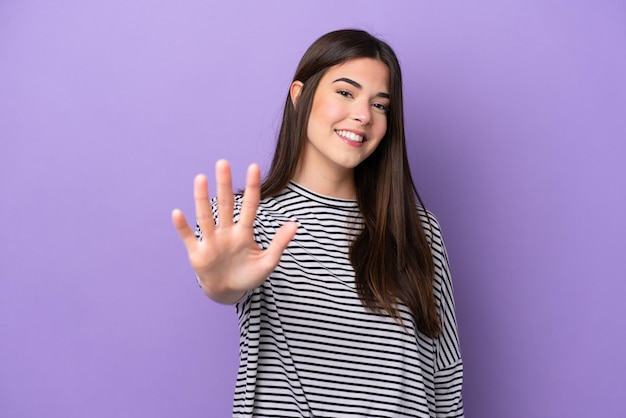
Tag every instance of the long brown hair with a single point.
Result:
(391, 256)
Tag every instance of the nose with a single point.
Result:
(362, 112)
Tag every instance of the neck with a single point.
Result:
(339, 185)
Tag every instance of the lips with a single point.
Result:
(350, 136)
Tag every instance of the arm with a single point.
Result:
(449, 365)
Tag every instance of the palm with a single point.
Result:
(227, 261)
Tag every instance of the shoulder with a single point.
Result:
(442, 280)
(432, 228)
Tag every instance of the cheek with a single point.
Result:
(326, 111)
(381, 127)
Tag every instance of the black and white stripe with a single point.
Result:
(308, 347)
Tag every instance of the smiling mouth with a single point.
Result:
(350, 136)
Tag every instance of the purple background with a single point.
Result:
(516, 117)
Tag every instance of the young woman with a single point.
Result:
(338, 274)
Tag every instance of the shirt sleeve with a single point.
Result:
(448, 377)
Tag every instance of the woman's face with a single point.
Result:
(348, 116)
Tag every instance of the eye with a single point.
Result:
(345, 93)
(380, 107)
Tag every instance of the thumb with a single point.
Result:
(281, 240)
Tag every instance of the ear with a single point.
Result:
(294, 91)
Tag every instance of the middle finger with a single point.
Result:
(225, 197)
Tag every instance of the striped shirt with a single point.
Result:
(308, 347)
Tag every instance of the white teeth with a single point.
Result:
(350, 135)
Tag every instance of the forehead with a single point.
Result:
(368, 72)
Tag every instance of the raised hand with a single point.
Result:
(227, 261)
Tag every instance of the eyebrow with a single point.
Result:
(360, 87)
